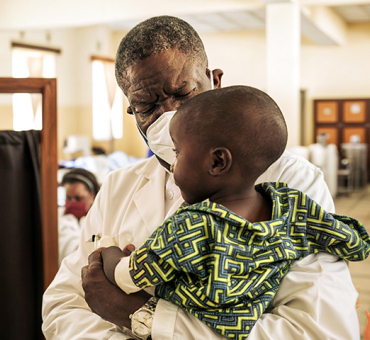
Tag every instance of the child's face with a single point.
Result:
(190, 167)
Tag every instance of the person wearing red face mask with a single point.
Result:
(81, 188)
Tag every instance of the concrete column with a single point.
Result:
(283, 36)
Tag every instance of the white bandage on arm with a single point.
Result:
(123, 277)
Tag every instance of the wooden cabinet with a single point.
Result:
(342, 118)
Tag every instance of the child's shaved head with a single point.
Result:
(241, 118)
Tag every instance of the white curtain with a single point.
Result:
(107, 102)
(27, 108)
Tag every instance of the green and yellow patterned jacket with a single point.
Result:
(225, 270)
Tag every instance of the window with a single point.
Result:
(107, 101)
(30, 62)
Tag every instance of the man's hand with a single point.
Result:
(104, 298)
(111, 256)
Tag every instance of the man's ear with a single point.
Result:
(217, 75)
(129, 110)
(221, 162)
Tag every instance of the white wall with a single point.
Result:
(63, 39)
(326, 72)
(241, 55)
(73, 66)
(73, 69)
(339, 71)
(336, 71)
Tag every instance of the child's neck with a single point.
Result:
(251, 205)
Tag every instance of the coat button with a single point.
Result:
(126, 238)
(169, 194)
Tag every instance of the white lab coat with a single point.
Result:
(315, 301)
(69, 231)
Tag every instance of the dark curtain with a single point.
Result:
(20, 236)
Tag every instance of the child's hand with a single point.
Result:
(111, 257)
(367, 327)
(128, 249)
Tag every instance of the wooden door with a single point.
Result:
(49, 164)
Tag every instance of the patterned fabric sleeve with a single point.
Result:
(148, 268)
(342, 236)
(310, 229)
(225, 270)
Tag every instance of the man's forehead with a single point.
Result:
(142, 92)
(167, 69)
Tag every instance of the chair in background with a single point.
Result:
(326, 158)
(356, 154)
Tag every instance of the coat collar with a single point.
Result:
(151, 169)
(150, 198)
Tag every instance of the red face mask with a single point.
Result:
(78, 209)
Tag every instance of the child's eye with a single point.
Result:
(175, 151)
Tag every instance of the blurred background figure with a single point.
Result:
(81, 187)
(367, 327)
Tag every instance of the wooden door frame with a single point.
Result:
(48, 162)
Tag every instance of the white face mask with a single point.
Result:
(158, 135)
(159, 139)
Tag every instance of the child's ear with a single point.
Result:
(221, 161)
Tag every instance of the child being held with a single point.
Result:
(224, 253)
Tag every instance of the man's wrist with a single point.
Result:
(142, 319)
(131, 304)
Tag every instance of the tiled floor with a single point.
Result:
(357, 205)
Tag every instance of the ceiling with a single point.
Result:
(323, 22)
(215, 22)
(353, 14)
(249, 19)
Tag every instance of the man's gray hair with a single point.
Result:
(156, 35)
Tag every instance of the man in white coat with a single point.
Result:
(160, 64)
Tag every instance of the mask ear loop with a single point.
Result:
(141, 132)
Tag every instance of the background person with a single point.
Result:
(160, 64)
(81, 188)
(367, 327)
